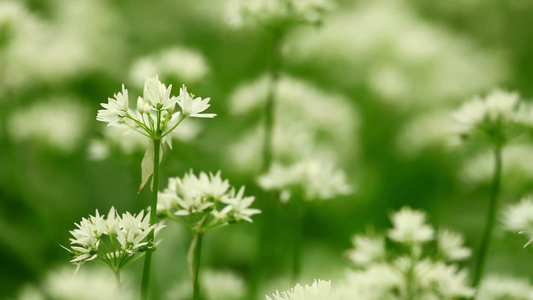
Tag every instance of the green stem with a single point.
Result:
(491, 217)
(117, 278)
(193, 258)
(270, 105)
(297, 250)
(153, 209)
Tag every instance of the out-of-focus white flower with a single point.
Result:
(309, 122)
(367, 250)
(499, 287)
(519, 218)
(431, 129)
(88, 284)
(319, 290)
(378, 281)
(216, 285)
(496, 118)
(450, 282)
(409, 227)
(194, 197)
(182, 63)
(317, 180)
(407, 272)
(451, 245)
(278, 15)
(59, 123)
(115, 240)
(402, 58)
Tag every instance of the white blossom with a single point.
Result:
(451, 245)
(519, 218)
(193, 106)
(367, 250)
(318, 290)
(500, 287)
(409, 227)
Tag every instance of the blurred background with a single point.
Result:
(380, 79)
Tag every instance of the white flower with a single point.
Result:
(157, 95)
(316, 179)
(409, 227)
(367, 250)
(116, 109)
(378, 281)
(519, 218)
(497, 117)
(193, 106)
(176, 62)
(498, 287)
(205, 194)
(319, 290)
(113, 239)
(451, 245)
(58, 123)
(238, 206)
(437, 278)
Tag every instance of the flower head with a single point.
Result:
(451, 245)
(409, 227)
(193, 106)
(114, 239)
(319, 290)
(519, 218)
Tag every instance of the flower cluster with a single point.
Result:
(409, 274)
(319, 290)
(155, 116)
(204, 202)
(498, 287)
(313, 178)
(496, 119)
(519, 218)
(115, 240)
(277, 15)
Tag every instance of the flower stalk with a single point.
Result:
(194, 255)
(145, 284)
(491, 217)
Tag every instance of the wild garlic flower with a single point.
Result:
(414, 271)
(499, 287)
(155, 116)
(367, 250)
(318, 290)
(204, 202)
(409, 227)
(314, 179)
(451, 245)
(497, 118)
(115, 240)
(277, 15)
(519, 218)
(217, 285)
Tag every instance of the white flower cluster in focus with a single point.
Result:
(277, 15)
(205, 201)
(314, 179)
(497, 118)
(519, 218)
(155, 116)
(115, 240)
(384, 274)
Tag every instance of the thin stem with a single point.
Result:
(194, 255)
(298, 236)
(153, 212)
(274, 74)
(491, 217)
(117, 278)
